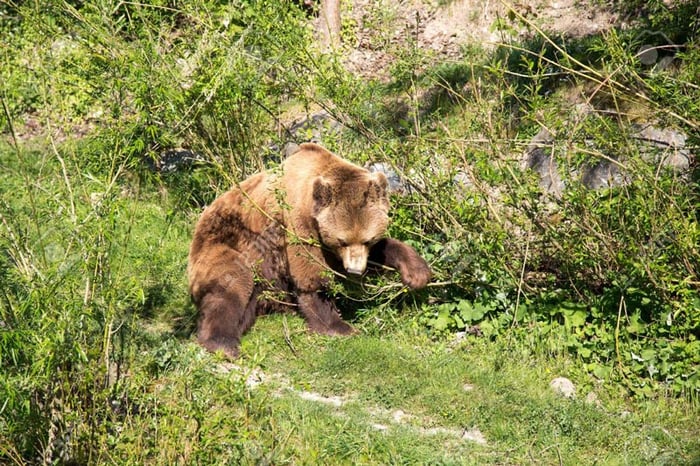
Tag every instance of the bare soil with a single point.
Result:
(444, 29)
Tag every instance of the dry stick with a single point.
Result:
(287, 337)
(9, 123)
(480, 187)
(601, 155)
(206, 95)
(474, 180)
(617, 333)
(20, 157)
(71, 196)
(22, 262)
(330, 24)
(548, 40)
(155, 7)
(107, 344)
(10, 451)
(521, 281)
(556, 448)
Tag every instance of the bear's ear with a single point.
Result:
(322, 194)
(379, 184)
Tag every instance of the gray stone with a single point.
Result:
(173, 160)
(661, 146)
(396, 184)
(314, 128)
(604, 174)
(592, 399)
(666, 146)
(462, 180)
(563, 386)
(539, 158)
(290, 148)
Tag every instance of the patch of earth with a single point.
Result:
(33, 126)
(382, 28)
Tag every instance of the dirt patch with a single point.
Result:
(383, 29)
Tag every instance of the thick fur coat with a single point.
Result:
(271, 242)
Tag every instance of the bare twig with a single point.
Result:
(288, 339)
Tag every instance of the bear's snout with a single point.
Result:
(355, 258)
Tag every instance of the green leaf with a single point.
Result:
(442, 321)
(635, 326)
(575, 318)
(648, 354)
(600, 371)
(471, 312)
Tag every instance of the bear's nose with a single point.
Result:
(355, 259)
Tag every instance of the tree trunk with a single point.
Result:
(329, 24)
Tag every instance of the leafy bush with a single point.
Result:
(626, 254)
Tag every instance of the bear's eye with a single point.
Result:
(342, 243)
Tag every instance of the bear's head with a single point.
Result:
(351, 209)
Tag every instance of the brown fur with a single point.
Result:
(281, 232)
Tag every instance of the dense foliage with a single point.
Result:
(95, 227)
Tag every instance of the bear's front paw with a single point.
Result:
(335, 328)
(416, 277)
(228, 347)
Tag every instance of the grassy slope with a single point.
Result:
(392, 399)
(384, 397)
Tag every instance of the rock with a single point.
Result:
(563, 386)
(661, 146)
(226, 367)
(318, 398)
(474, 435)
(173, 160)
(255, 378)
(289, 149)
(539, 158)
(380, 427)
(604, 174)
(314, 128)
(666, 146)
(462, 181)
(396, 184)
(187, 68)
(398, 416)
(592, 399)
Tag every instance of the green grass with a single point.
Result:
(398, 399)
(391, 395)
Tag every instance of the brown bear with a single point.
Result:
(271, 243)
